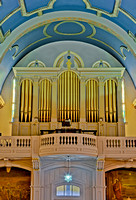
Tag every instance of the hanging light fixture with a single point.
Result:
(68, 176)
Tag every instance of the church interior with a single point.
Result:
(67, 100)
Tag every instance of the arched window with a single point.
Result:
(45, 101)
(68, 96)
(110, 101)
(26, 101)
(68, 190)
(92, 101)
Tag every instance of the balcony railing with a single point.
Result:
(67, 143)
(15, 146)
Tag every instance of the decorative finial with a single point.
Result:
(69, 63)
(101, 63)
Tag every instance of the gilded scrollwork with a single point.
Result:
(122, 48)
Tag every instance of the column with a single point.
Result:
(121, 125)
(15, 105)
(54, 104)
(100, 180)
(82, 103)
(34, 127)
(35, 179)
(101, 122)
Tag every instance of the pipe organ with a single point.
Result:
(68, 96)
(92, 101)
(50, 95)
(110, 101)
(26, 101)
(45, 101)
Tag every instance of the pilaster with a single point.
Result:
(121, 125)
(35, 179)
(100, 179)
(34, 127)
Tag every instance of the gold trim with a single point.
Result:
(132, 35)
(38, 11)
(121, 49)
(16, 50)
(93, 33)
(9, 15)
(45, 32)
(100, 11)
(2, 36)
(40, 24)
(83, 28)
(128, 15)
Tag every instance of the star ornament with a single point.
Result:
(68, 177)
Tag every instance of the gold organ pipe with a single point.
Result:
(59, 100)
(40, 93)
(45, 89)
(26, 101)
(71, 94)
(106, 100)
(89, 102)
(63, 97)
(78, 97)
(87, 109)
(30, 100)
(92, 102)
(114, 100)
(110, 100)
(42, 101)
(68, 93)
(94, 83)
(97, 99)
(50, 99)
(73, 97)
(65, 94)
(22, 100)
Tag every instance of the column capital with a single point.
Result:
(36, 164)
(101, 78)
(54, 79)
(36, 78)
(100, 164)
(83, 79)
(119, 79)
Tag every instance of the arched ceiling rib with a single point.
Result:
(28, 24)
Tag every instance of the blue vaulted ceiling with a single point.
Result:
(42, 25)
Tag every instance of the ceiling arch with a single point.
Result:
(28, 24)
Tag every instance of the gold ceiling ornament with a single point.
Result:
(2, 103)
(8, 169)
(101, 64)
(36, 63)
(61, 59)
